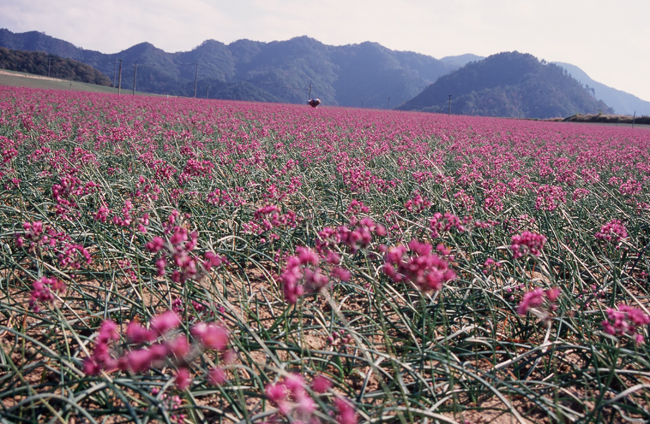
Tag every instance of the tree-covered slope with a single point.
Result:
(510, 85)
(40, 63)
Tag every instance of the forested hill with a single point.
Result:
(40, 63)
(508, 85)
(353, 75)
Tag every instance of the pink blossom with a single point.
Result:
(549, 197)
(302, 274)
(165, 322)
(552, 294)
(305, 405)
(627, 320)
(527, 242)
(423, 268)
(212, 336)
(276, 393)
(136, 333)
(179, 347)
(532, 299)
(183, 379)
(155, 245)
(535, 299)
(612, 232)
(138, 360)
(346, 413)
(229, 357)
(217, 376)
(321, 384)
(43, 291)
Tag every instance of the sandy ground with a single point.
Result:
(17, 74)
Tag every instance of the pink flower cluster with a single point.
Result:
(549, 197)
(345, 412)
(630, 187)
(195, 168)
(303, 274)
(33, 232)
(178, 250)
(73, 255)
(527, 243)
(42, 291)
(417, 204)
(101, 358)
(102, 214)
(126, 218)
(357, 207)
(423, 268)
(612, 232)
(361, 236)
(294, 402)
(160, 348)
(443, 223)
(535, 299)
(490, 265)
(267, 218)
(37, 236)
(627, 320)
(464, 200)
(340, 338)
(65, 193)
(580, 193)
(358, 238)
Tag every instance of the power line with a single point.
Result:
(135, 75)
(196, 65)
(146, 65)
(115, 73)
(119, 85)
(196, 79)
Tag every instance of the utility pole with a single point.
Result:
(115, 74)
(196, 78)
(388, 104)
(633, 119)
(48, 66)
(119, 83)
(207, 92)
(362, 104)
(135, 74)
(309, 95)
(449, 105)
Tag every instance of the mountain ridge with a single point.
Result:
(350, 75)
(508, 84)
(623, 103)
(358, 75)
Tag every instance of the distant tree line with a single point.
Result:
(40, 63)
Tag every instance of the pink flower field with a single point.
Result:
(192, 261)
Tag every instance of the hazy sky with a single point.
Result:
(605, 38)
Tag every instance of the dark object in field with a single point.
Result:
(314, 102)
